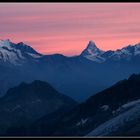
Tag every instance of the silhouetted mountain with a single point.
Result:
(125, 123)
(112, 112)
(26, 103)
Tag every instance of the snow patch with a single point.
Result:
(105, 107)
(82, 122)
(131, 104)
(5, 43)
(119, 121)
(34, 55)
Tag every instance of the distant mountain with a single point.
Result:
(95, 54)
(16, 54)
(26, 103)
(78, 77)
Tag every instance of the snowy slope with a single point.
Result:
(16, 54)
(131, 113)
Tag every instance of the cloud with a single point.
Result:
(51, 27)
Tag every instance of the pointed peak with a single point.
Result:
(91, 45)
(91, 42)
(91, 49)
(25, 48)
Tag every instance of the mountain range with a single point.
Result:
(96, 93)
(78, 77)
(111, 112)
(95, 54)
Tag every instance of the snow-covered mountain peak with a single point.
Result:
(91, 49)
(92, 52)
(25, 48)
(95, 54)
(5, 43)
(16, 47)
(91, 45)
(16, 53)
(132, 50)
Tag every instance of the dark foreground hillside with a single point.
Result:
(26, 103)
(112, 112)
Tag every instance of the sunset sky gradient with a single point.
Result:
(67, 27)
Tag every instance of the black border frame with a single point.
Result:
(67, 1)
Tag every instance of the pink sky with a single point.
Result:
(67, 27)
